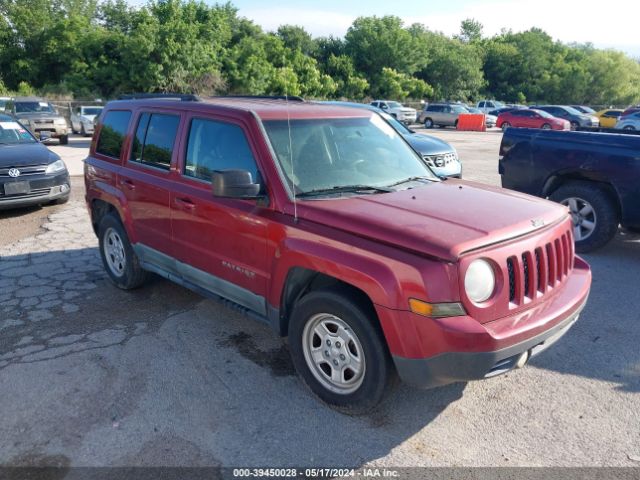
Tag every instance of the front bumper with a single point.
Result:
(53, 130)
(453, 367)
(433, 352)
(43, 189)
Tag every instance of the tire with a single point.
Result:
(455, 124)
(428, 123)
(505, 125)
(83, 131)
(574, 125)
(589, 202)
(546, 126)
(629, 127)
(118, 258)
(64, 139)
(351, 332)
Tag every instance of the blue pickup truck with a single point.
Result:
(596, 175)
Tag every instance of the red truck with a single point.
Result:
(322, 222)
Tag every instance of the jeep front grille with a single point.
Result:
(533, 274)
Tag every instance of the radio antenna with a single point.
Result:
(293, 186)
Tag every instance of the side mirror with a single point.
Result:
(234, 184)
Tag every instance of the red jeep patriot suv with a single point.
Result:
(322, 222)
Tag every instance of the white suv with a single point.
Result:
(397, 110)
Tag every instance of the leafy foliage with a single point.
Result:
(103, 48)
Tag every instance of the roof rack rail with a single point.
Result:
(183, 97)
(291, 98)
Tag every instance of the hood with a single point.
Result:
(38, 115)
(427, 145)
(442, 220)
(25, 154)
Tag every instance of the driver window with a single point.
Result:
(215, 145)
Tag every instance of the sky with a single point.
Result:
(606, 24)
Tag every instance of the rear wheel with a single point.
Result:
(594, 213)
(629, 127)
(119, 259)
(574, 125)
(339, 351)
(428, 123)
(546, 126)
(505, 125)
(83, 132)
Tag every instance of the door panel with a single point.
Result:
(222, 237)
(146, 182)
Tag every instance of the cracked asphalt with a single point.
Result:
(94, 376)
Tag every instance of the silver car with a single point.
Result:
(441, 114)
(630, 122)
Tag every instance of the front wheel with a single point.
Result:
(119, 259)
(546, 126)
(594, 214)
(339, 351)
(505, 125)
(629, 127)
(428, 123)
(574, 125)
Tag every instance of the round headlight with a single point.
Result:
(479, 281)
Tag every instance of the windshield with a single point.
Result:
(394, 105)
(91, 110)
(31, 107)
(3, 104)
(12, 133)
(544, 114)
(474, 110)
(458, 109)
(340, 152)
(400, 127)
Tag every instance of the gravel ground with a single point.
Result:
(94, 376)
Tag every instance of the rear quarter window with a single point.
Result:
(114, 129)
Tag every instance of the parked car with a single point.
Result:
(40, 117)
(630, 111)
(3, 103)
(441, 114)
(82, 119)
(584, 109)
(489, 120)
(30, 174)
(321, 221)
(575, 117)
(441, 157)
(608, 117)
(396, 110)
(488, 105)
(594, 174)
(630, 122)
(531, 119)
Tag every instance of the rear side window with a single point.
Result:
(155, 136)
(112, 133)
(217, 145)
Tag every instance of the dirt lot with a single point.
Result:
(95, 376)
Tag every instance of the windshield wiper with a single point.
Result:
(410, 179)
(343, 189)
